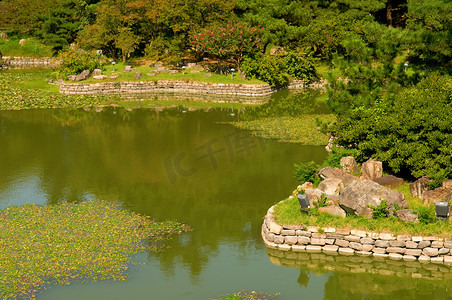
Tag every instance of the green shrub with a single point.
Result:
(380, 211)
(426, 214)
(76, 61)
(307, 172)
(300, 65)
(322, 202)
(334, 157)
(269, 69)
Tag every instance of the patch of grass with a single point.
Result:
(247, 295)
(189, 77)
(54, 244)
(20, 90)
(301, 129)
(31, 48)
(288, 212)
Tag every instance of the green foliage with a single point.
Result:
(334, 157)
(421, 145)
(270, 69)
(230, 40)
(307, 172)
(426, 214)
(75, 61)
(247, 295)
(322, 202)
(31, 48)
(300, 65)
(380, 211)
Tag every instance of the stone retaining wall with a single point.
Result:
(347, 242)
(177, 86)
(30, 62)
(165, 86)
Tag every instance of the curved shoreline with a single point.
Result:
(179, 86)
(301, 238)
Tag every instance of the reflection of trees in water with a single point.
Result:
(121, 157)
(357, 277)
(288, 103)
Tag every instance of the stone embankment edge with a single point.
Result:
(30, 62)
(177, 86)
(300, 238)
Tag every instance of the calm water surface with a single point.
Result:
(186, 166)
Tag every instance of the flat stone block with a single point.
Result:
(381, 244)
(367, 247)
(345, 231)
(356, 246)
(396, 243)
(379, 250)
(403, 237)
(409, 258)
(352, 238)
(380, 255)
(287, 232)
(428, 251)
(416, 238)
(430, 238)
(320, 242)
(312, 228)
(411, 245)
(395, 256)
(448, 260)
(346, 251)
(279, 239)
(342, 243)
(437, 244)
(443, 251)
(274, 227)
(413, 252)
(387, 236)
(290, 240)
(298, 248)
(364, 253)
(395, 250)
(303, 240)
(437, 260)
(367, 240)
(329, 229)
(270, 245)
(330, 248)
(305, 233)
(313, 249)
(424, 244)
(318, 235)
(360, 233)
(424, 258)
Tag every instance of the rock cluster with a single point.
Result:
(346, 241)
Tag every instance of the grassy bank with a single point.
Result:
(288, 212)
(55, 244)
(302, 129)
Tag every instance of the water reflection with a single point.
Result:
(363, 277)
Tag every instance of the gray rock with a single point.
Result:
(447, 184)
(438, 194)
(360, 194)
(329, 172)
(303, 240)
(128, 69)
(342, 243)
(430, 251)
(411, 245)
(406, 215)
(82, 76)
(349, 164)
(333, 210)
(331, 186)
(290, 240)
(389, 181)
(207, 74)
(423, 244)
(97, 72)
(381, 244)
(443, 251)
(137, 75)
(100, 77)
(356, 246)
(279, 239)
(3, 36)
(397, 243)
(413, 252)
(418, 187)
(371, 169)
(288, 232)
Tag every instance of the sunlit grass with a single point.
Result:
(55, 244)
(288, 212)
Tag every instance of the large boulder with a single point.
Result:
(357, 197)
(438, 194)
(82, 76)
(389, 181)
(371, 169)
(331, 186)
(418, 187)
(349, 164)
(329, 172)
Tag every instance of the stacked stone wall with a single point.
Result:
(351, 241)
(30, 62)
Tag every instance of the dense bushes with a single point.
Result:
(76, 61)
(410, 133)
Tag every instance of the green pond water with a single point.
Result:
(171, 164)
